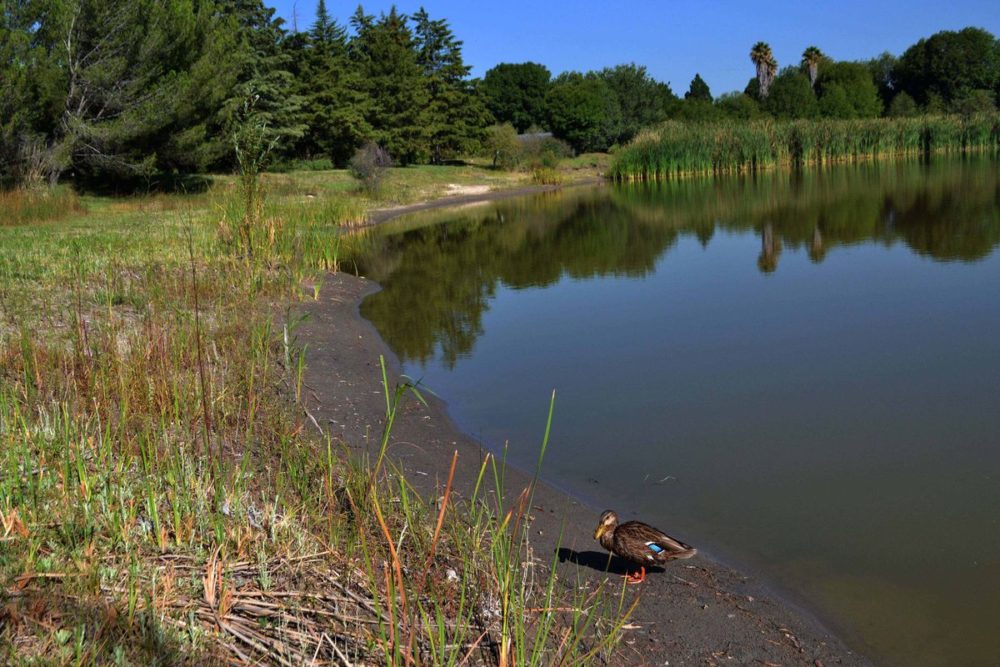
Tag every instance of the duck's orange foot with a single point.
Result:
(636, 579)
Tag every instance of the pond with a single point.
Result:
(797, 372)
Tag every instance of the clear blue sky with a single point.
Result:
(675, 39)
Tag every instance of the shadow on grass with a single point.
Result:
(602, 562)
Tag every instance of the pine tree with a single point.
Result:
(333, 100)
(139, 85)
(265, 82)
(383, 51)
(456, 114)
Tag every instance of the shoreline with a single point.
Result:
(692, 612)
(733, 615)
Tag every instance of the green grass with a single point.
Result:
(677, 149)
(166, 497)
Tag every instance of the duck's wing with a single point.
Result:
(653, 544)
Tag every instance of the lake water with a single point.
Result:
(799, 373)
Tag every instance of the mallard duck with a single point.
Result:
(640, 543)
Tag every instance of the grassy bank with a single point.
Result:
(732, 147)
(165, 496)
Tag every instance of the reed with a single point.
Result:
(677, 149)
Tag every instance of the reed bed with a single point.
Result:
(677, 149)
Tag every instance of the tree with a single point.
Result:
(974, 102)
(883, 71)
(515, 93)
(698, 90)
(834, 103)
(643, 100)
(583, 111)
(334, 104)
(141, 86)
(949, 64)
(903, 106)
(811, 59)
(791, 96)
(264, 75)
(850, 82)
(767, 66)
(384, 53)
(456, 114)
(739, 106)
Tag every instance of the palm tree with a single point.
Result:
(811, 59)
(767, 66)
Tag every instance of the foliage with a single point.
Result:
(369, 165)
(334, 104)
(643, 100)
(698, 90)
(456, 114)
(738, 106)
(851, 83)
(583, 111)
(972, 102)
(515, 93)
(502, 146)
(903, 106)
(791, 96)
(949, 64)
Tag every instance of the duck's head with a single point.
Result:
(607, 524)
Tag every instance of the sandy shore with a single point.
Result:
(696, 612)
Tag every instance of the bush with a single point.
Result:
(503, 147)
(369, 165)
(543, 151)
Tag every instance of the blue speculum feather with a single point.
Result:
(656, 548)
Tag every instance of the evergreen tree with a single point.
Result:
(456, 114)
(698, 90)
(384, 53)
(138, 89)
(329, 85)
(265, 82)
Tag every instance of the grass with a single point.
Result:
(165, 497)
(677, 149)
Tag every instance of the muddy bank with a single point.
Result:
(691, 613)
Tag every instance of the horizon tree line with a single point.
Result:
(146, 91)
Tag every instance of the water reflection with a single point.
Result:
(440, 271)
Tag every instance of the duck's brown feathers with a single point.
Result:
(641, 543)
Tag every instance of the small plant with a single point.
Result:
(369, 165)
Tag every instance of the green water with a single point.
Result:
(799, 373)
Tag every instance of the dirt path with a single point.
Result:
(693, 612)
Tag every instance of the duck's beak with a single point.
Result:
(600, 531)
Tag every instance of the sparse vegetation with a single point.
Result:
(165, 496)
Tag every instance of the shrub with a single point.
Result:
(503, 146)
(369, 165)
(543, 151)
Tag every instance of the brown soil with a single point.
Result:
(691, 613)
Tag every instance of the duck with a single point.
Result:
(639, 543)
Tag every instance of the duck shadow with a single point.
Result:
(602, 561)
